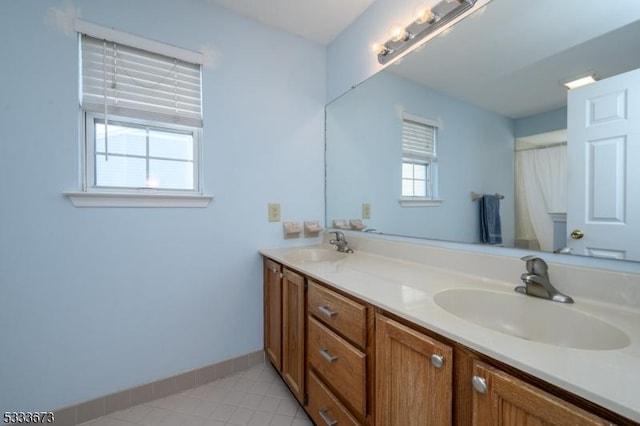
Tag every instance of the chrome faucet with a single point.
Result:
(341, 242)
(537, 282)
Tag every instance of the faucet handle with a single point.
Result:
(529, 257)
(535, 264)
(339, 235)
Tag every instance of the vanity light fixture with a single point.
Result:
(380, 49)
(397, 33)
(579, 82)
(427, 21)
(425, 15)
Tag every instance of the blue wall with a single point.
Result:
(350, 59)
(544, 122)
(101, 299)
(475, 150)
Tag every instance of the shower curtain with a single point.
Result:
(542, 176)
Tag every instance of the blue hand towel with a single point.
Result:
(490, 226)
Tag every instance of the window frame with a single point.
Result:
(428, 165)
(91, 195)
(89, 175)
(431, 199)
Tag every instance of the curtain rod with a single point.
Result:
(553, 145)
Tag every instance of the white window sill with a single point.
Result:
(117, 199)
(419, 202)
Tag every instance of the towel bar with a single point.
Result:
(475, 196)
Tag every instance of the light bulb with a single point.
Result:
(425, 15)
(380, 49)
(397, 33)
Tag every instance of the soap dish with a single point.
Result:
(291, 229)
(357, 224)
(312, 228)
(341, 224)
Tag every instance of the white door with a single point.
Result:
(603, 182)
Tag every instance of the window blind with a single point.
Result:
(418, 141)
(131, 82)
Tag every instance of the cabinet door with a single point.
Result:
(273, 312)
(293, 305)
(413, 377)
(501, 399)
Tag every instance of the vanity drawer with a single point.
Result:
(345, 316)
(340, 364)
(324, 407)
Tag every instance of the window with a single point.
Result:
(419, 167)
(141, 155)
(142, 115)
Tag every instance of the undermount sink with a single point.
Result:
(315, 255)
(532, 319)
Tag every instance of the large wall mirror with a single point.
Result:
(489, 92)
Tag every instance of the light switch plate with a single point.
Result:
(274, 212)
(366, 211)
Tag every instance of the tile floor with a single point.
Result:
(254, 397)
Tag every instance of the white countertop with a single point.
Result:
(610, 378)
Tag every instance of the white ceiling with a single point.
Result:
(512, 57)
(317, 20)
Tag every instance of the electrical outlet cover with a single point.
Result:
(274, 212)
(366, 211)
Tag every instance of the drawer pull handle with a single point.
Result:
(327, 312)
(326, 355)
(479, 384)
(437, 361)
(325, 416)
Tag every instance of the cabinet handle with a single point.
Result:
(325, 416)
(437, 361)
(479, 384)
(326, 311)
(274, 271)
(326, 355)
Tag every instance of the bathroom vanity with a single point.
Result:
(390, 335)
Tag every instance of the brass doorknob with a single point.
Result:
(576, 234)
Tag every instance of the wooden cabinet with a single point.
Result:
(284, 323)
(293, 316)
(324, 407)
(273, 312)
(346, 316)
(337, 342)
(347, 364)
(339, 363)
(413, 377)
(501, 399)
